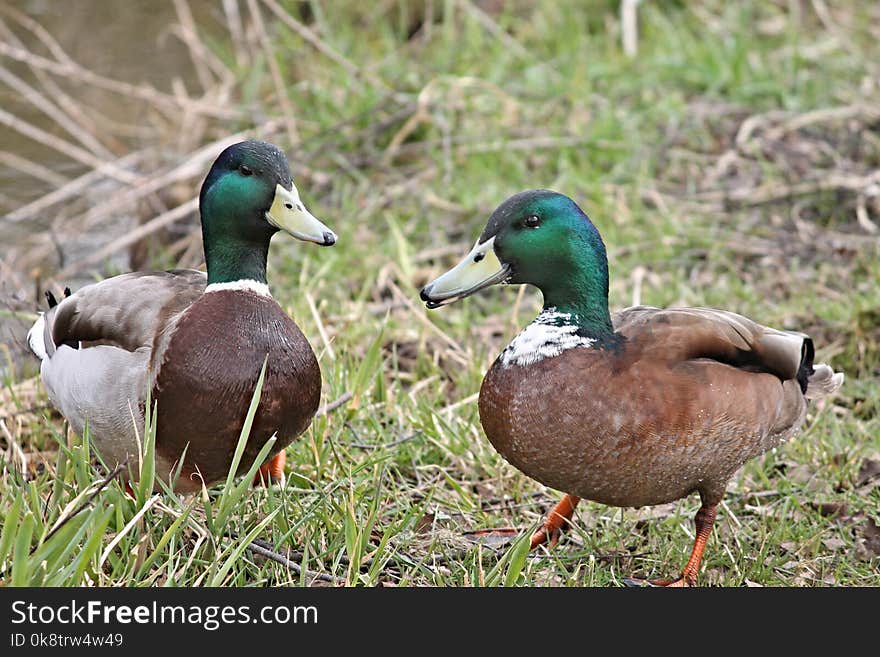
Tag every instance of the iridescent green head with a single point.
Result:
(542, 238)
(247, 197)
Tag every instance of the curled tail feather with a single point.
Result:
(819, 380)
(37, 336)
(823, 381)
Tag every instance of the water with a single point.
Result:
(133, 42)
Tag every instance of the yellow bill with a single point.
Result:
(479, 269)
(290, 215)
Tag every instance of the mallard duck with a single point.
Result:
(195, 341)
(643, 408)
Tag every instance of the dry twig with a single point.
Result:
(262, 549)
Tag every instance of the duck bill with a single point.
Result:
(290, 215)
(479, 269)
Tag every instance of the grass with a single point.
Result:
(707, 163)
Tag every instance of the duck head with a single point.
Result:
(247, 197)
(542, 238)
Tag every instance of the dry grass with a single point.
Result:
(728, 152)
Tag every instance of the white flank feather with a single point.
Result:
(36, 339)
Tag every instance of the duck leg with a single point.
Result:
(556, 521)
(552, 528)
(272, 471)
(704, 521)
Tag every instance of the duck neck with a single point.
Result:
(232, 260)
(581, 300)
(236, 242)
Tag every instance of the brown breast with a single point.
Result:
(207, 378)
(629, 430)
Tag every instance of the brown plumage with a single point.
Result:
(209, 371)
(199, 355)
(641, 408)
(193, 343)
(684, 399)
(687, 398)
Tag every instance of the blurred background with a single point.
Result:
(728, 152)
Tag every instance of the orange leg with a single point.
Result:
(556, 521)
(272, 471)
(704, 521)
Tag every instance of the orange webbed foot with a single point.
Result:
(272, 471)
(557, 520)
(638, 582)
(704, 521)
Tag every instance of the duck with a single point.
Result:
(643, 407)
(192, 342)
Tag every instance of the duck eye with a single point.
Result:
(245, 170)
(533, 221)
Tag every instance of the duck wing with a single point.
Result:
(740, 386)
(97, 351)
(683, 334)
(126, 311)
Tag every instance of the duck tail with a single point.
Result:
(819, 380)
(36, 338)
(823, 382)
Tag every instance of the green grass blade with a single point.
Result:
(92, 549)
(231, 499)
(61, 463)
(169, 533)
(519, 553)
(365, 372)
(148, 457)
(352, 544)
(239, 548)
(246, 427)
(10, 526)
(209, 513)
(21, 561)
(61, 546)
